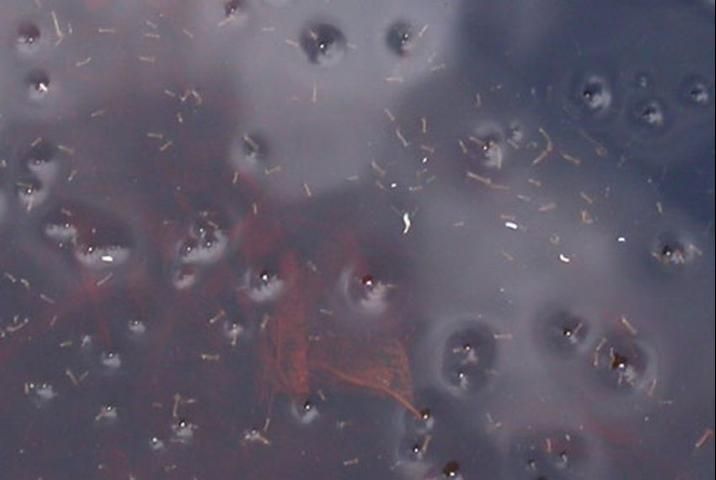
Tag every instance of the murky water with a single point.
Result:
(408, 239)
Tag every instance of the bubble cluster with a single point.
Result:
(462, 355)
(550, 455)
(97, 241)
(469, 355)
(40, 394)
(205, 242)
(672, 251)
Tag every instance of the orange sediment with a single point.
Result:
(378, 365)
(293, 365)
(284, 347)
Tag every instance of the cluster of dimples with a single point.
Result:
(155, 256)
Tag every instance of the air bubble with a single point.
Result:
(263, 286)
(156, 444)
(592, 95)
(489, 140)
(672, 252)
(623, 363)
(427, 420)
(305, 412)
(97, 257)
(183, 431)
(421, 425)
(107, 414)
(61, 228)
(30, 193)
(28, 37)
(184, 277)
(365, 293)
(137, 327)
(40, 160)
(235, 12)
(562, 332)
(649, 115)
(98, 241)
(516, 133)
(233, 7)
(451, 470)
(696, 91)
(417, 450)
(643, 80)
(549, 455)
(233, 331)
(110, 360)
(206, 240)
(400, 38)
(38, 83)
(323, 44)
(249, 154)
